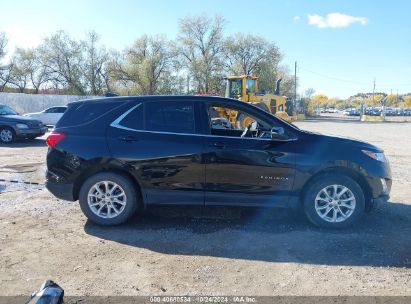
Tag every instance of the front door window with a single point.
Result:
(229, 121)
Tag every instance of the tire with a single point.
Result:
(91, 199)
(7, 135)
(329, 208)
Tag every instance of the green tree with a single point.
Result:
(200, 42)
(22, 64)
(147, 65)
(374, 100)
(245, 53)
(392, 100)
(407, 101)
(64, 58)
(317, 101)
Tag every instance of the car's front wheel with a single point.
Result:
(108, 199)
(334, 201)
(7, 135)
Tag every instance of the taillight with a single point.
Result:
(54, 138)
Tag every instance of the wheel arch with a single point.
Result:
(106, 168)
(8, 127)
(350, 172)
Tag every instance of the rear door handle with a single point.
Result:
(128, 138)
(218, 144)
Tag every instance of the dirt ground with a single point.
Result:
(221, 251)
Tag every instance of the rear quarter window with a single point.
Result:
(84, 113)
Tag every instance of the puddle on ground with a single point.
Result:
(22, 177)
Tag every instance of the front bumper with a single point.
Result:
(30, 132)
(381, 199)
(380, 192)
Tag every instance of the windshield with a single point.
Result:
(250, 85)
(5, 110)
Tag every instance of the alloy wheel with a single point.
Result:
(335, 203)
(6, 135)
(106, 199)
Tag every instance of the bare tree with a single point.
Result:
(40, 72)
(96, 60)
(3, 45)
(309, 93)
(5, 70)
(201, 44)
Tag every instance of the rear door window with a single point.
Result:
(135, 119)
(170, 116)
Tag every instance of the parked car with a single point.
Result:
(354, 112)
(49, 116)
(13, 126)
(118, 155)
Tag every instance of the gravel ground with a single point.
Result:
(218, 251)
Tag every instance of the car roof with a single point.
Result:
(146, 98)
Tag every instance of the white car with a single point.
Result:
(50, 116)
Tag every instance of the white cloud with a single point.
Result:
(335, 20)
(296, 18)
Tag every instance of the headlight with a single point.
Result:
(375, 155)
(22, 126)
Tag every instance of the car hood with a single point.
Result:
(17, 118)
(343, 140)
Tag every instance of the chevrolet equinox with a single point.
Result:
(120, 154)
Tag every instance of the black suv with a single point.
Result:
(13, 126)
(117, 155)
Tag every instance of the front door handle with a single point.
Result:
(128, 138)
(218, 144)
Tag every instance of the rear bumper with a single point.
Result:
(60, 190)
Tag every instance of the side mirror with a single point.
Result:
(278, 133)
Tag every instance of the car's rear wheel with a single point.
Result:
(108, 199)
(7, 135)
(334, 201)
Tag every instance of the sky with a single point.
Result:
(340, 46)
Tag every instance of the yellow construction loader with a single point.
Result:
(245, 88)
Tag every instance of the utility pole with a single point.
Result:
(295, 85)
(373, 92)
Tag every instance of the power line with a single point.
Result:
(351, 81)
